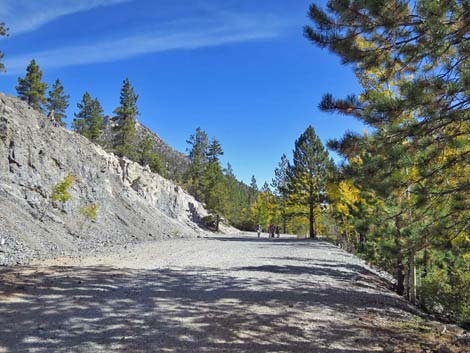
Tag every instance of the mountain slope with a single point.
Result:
(35, 155)
(176, 163)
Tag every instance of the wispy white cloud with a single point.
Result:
(27, 15)
(184, 34)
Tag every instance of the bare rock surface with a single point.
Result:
(133, 204)
(216, 294)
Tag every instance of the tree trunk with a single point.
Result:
(424, 274)
(284, 223)
(400, 268)
(400, 275)
(425, 263)
(217, 221)
(311, 218)
(412, 279)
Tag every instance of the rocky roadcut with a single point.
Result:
(133, 203)
(215, 294)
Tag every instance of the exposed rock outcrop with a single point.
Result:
(133, 203)
(176, 163)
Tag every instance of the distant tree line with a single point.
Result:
(218, 188)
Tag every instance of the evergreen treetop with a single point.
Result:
(281, 174)
(89, 121)
(197, 153)
(84, 114)
(308, 174)
(96, 124)
(126, 114)
(57, 102)
(214, 151)
(253, 183)
(128, 102)
(31, 88)
(199, 145)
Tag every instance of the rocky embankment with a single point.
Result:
(133, 203)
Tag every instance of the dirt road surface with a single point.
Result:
(219, 294)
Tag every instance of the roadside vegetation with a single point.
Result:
(401, 199)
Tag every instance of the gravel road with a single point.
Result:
(218, 294)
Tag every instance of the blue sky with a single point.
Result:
(239, 69)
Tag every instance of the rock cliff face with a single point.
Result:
(35, 155)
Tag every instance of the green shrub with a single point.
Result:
(90, 212)
(448, 295)
(60, 191)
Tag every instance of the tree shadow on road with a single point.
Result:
(264, 239)
(83, 309)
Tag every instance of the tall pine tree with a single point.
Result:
(96, 124)
(411, 57)
(215, 190)
(194, 177)
(89, 120)
(80, 122)
(58, 102)
(253, 190)
(281, 190)
(31, 88)
(308, 174)
(126, 114)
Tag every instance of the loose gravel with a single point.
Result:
(213, 294)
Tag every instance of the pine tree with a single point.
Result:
(58, 102)
(31, 88)
(308, 174)
(253, 183)
(199, 145)
(96, 124)
(198, 150)
(214, 151)
(253, 190)
(412, 60)
(426, 105)
(126, 114)
(215, 195)
(89, 121)
(281, 190)
(82, 118)
(3, 33)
